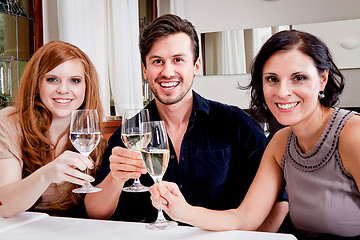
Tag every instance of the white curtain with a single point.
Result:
(231, 52)
(124, 55)
(261, 35)
(107, 31)
(178, 7)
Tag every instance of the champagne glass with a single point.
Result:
(265, 127)
(85, 136)
(130, 135)
(155, 154)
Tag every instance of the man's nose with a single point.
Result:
(168, 70)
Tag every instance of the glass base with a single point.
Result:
(86, 188)
(136, 187)
(161, 225)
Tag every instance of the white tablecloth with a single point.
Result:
(27, 226)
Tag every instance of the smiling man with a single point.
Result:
(215, 149)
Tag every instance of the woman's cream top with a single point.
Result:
(10, 137)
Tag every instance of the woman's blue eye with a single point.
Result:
(75, 80)
(51, 79)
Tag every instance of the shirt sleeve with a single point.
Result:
(256, 143)
(114, 140)
(133, 207)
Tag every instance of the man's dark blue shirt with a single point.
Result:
(220, 154)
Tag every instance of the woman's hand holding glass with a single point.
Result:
(67, 167)
(171, 199)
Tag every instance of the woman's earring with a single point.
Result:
(321, 95)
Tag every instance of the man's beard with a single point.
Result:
(170, 101)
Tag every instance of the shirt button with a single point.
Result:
(180, 186)
(172, 156)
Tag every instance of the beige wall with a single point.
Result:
(351, 97)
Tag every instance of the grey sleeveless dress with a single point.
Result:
(323, 197)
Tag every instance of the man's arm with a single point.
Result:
(119, 165)
(103, 204)
(280, 209)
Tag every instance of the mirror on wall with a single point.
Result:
(16, 44)
(232, 51)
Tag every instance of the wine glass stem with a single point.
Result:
(160, 217)
(87, 171)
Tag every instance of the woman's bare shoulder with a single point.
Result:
(278, 143)
(348, 147)
(351, 131)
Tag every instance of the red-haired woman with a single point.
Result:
(38, 165)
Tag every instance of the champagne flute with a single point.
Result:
(85, 136)
(155, 154)
(130, 135)
(265, 127)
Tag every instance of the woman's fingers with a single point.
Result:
(75, 159)
(79, 175)
(157, 198)
(69, 166)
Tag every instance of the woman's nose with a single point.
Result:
(62, 87)
(284, 89)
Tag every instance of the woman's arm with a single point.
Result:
(275, 218)
(18, 195)
(255, 207)
(349, 149)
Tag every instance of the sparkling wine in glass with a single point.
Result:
(155, 155)
(130, 135)
(85, 136)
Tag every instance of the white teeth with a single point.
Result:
(62, 100)
(169, 84)
(287, 106)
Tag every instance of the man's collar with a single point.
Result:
(153, 111)
(199, 105)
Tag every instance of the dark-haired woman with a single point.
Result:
(318, 155)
